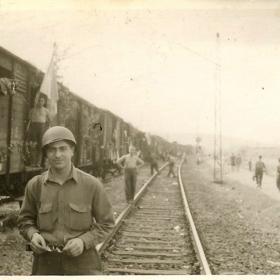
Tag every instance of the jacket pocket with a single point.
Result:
(46, 217)
(80, 216)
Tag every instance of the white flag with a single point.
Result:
(49, 85)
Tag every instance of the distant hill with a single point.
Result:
(230, 144)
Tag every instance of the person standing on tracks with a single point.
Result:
(153, 164)
(259, 169)
(171, 164)
(39, 120)
(130, 163)
(65, 212)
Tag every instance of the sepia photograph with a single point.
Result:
(139, 137)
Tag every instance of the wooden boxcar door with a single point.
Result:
(19, 118)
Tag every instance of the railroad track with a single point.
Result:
(156, 235)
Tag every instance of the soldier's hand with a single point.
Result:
(74, 247)
(38, 243)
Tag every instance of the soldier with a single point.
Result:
(171, 164)
(130, 163)
(259, 169)
(238, 162)
(153, 164)
(232, 162)
(65, 212)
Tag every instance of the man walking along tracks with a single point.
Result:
(259, 169)
(171, 164)
(130, 163)
(153, 164)
(65, 212)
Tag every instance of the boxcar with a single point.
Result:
(100, 134)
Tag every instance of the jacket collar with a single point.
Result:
(48, 176)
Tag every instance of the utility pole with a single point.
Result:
(218, 148)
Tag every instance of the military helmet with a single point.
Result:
(57, 133)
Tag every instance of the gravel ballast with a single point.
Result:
(238, 225)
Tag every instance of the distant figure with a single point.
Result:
(259, 169)
(138, 153)
(39, 120)
(185, 157)
(278, 175)
(232, 162)
(130, 163)
(171, 163)
(250, 165)
(238, 161)
(198, 159)
(153, 164)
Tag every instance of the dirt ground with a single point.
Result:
(16, 261)
(238, 223)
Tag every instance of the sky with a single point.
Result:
(159, 64)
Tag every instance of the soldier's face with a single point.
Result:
(59, 155)
(132, 151)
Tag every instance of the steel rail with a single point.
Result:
(102, 246)
(197, 244)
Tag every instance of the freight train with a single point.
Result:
(101, 135)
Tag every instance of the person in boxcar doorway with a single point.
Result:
(39, 120)
(130, 163)
(65, 212)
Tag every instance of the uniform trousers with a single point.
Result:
(154, 166)
(36, 132)
(171, 169)
(130, 175)
(259, 177)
